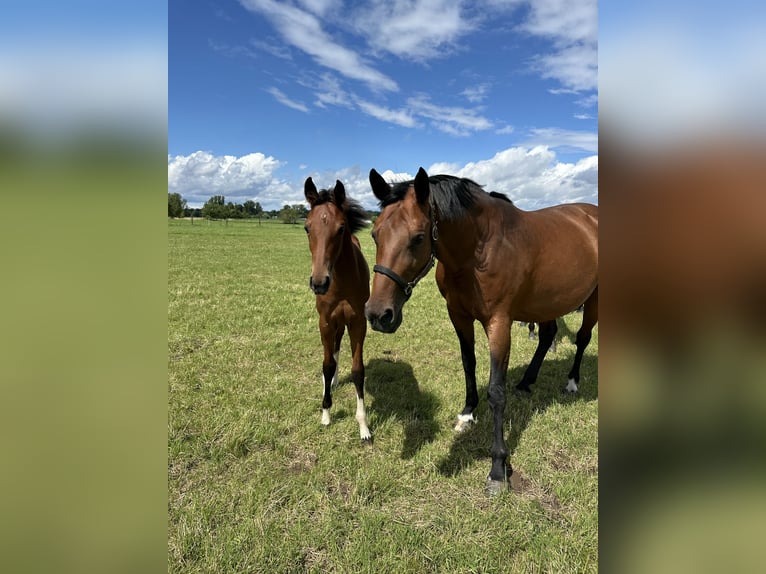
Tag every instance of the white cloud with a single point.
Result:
(280, 96)
(531, 177)
(321, 7)
(200, 175)
(476, 94)
(575, 66)
(572, 27)
(327, 90)
(304, 31)
(451, 120)
(413, 29)
(564, 139)
(399, 117)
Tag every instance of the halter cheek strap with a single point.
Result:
(408, 286)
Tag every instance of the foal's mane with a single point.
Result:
(356, 216)
(453, 197)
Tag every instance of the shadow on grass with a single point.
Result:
(475, 442)
(394, 393)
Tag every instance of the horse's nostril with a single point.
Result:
(320, 288)
(387, 317)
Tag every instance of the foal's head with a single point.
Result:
(332, 217)
(403, 238)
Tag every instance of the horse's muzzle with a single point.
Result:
(320, 288)
(386, 320)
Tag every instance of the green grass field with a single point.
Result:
(256, 484)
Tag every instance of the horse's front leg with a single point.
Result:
(329, 367)
(464, 328)
(499, 335)
(357, 331)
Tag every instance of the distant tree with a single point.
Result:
(253, 209)
(215, 208)
(176, 205)
(289, 214)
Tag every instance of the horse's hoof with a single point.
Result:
(495, 487)
(523, 387)
(367, 440)
(464, 422)
(571, 386)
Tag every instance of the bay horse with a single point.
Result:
(340, 279)
(497, 263)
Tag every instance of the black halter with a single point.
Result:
(408, 286)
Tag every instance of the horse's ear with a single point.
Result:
(379, 186)
(339, 193)
(422, 187)
(310, 191)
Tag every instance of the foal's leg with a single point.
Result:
(547, 333)
(464, 328)
(356, 332)
(499, 335)
(329, 367)
(589, 320)
(338, 339)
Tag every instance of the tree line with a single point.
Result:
(218, 208)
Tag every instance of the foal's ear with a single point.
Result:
(310, 191)
(422, 187)
(339, 193)
(379, 186)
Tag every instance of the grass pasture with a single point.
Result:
(255, 484)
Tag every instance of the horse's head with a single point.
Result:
(403, 237)
(325, 227)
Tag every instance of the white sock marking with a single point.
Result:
(571, 386)
(463, 421)
(361, 418)
(325, 412)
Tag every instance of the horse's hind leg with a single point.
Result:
(589, 320)
(357, 332)
(546, 335)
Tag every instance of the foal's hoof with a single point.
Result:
(464, 422)
(495, 487)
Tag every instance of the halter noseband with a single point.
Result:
(408, 286)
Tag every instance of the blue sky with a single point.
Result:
(262, 94)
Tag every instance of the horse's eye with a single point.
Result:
(374, 237)
(341, 229)
(306, 229)
(417, 240)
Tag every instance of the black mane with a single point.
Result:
(356, 216)
(453, 197)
